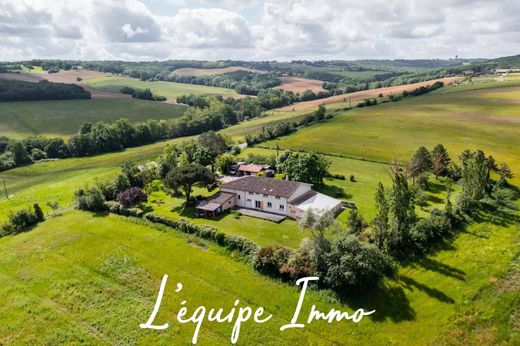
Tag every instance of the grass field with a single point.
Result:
(82, 278)
(458, 117)
(64, 117)
(169, 90)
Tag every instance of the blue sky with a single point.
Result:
(258, 29)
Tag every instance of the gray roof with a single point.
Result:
(214, 202)
(264, 185)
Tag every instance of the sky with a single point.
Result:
(258, 30)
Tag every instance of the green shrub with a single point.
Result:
(353, 265)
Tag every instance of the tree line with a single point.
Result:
(16, 90)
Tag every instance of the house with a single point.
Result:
(281, 197)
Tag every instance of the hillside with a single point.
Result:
(62, 118)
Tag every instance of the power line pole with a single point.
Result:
(5, 189)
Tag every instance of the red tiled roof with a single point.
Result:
(251, 168)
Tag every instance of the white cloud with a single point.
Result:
(269, 29)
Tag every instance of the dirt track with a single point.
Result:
(360, 95)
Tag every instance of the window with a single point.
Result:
(282, 207)
(277, 197)
(269, 205)
(249, 193)
(265, 195)
(248, 200)
(238, 196)
(258, 204)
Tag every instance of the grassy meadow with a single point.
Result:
(61, 118)
(84, 278)
(169, 90)
(458, 117)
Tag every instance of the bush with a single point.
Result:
(354, 266)
(232, 243)
(90, 199)
(270, 260)
(38, 154)
(38, 212)
(132, 196)
(426, 232)
(302, 261)
(19, 221)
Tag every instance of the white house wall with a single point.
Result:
(265, 199)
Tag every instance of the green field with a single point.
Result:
(82, 278)
(457, 117)
(169, 90)
(64, 117)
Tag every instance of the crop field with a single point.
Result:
(169, 90)
(361, 95)
(191, 71)
(61, 118)
(340, 71)
(299, 85)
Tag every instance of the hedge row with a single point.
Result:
(232, 243)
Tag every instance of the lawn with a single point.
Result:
(83, 278)
(64, 117)
(487, 119)
(169, 90)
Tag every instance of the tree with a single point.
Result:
(402, 208)
(38, 212)
(420, 162)
(353, 265)
(440, 160)
(380, 222)
(355, 222)
(187, 176)
(56, 148)
(225, 161)
(20, 155)
(131, 197)
(308, 168)
(204, 157)
(474, 178)
(320, 113)
(504, 172)
(318, 226)
(213, 141)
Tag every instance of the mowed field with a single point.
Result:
(462, 117)
(299, 85)
(61, 118)
(361, 95)
(192, 71)
(169, 90)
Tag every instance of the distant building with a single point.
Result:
(282, 197)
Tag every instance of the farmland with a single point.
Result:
(459, 118)
(360, 95)
(191, 71)
(61, 118)
(169, 90)
(299, 85)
